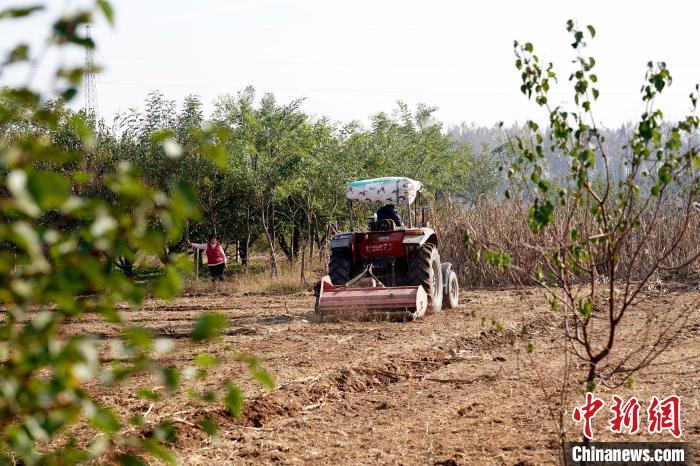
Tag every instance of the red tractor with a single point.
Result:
(389, 269)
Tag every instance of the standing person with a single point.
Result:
(216, 258)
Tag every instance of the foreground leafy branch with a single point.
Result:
(58, 244)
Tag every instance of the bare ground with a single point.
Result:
(457, 387)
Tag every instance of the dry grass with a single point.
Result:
(503, 226)
(495, 225)
(287, 281)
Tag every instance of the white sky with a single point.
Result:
(355, 58)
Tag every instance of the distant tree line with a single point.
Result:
(275, 175)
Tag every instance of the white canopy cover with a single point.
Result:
(389, 190)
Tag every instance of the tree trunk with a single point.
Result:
(244, 256)
(286, 248)
(126, 266)
(307, 240)
(321, 241)
(272, 242)
(310, 239)
(270, 234)
(590, 384)
(296, 235)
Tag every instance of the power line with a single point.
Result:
(370, 91)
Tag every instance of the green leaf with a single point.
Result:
(153, 241)
(209, 326)
(147, 394)
(159, 451)
(539, 274)
(234, 400)
(139, 337)
(204, 360)
(256, 370)
(168, 285)
(209, 426)
(591, 29)
(69, 93)
(166, 432)
(170, 377)
(108, 11)
(467, 240)
(553, 304)
(19, 53)
(540, 215)
(105, 420)
(498, 258)
(585, 309)
(50, 190)
(130, 460)
(20, 12)
(530, 347)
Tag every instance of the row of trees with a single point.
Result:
(271, 174)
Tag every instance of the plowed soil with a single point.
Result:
(458, 387)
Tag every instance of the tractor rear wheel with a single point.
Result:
(424, 269)
(339, 267)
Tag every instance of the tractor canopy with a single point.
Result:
(389, 190)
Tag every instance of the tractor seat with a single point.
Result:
(385, 224)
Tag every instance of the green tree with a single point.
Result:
(268, 143)
(415, 145)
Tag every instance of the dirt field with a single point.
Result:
(448, 389)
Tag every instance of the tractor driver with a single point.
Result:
(389, 212)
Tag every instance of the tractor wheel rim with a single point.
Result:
(434, 282)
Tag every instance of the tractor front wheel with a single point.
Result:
(425, 270)
(451, 290)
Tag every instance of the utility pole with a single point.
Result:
(90, 80)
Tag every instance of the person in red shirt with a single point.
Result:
(216, 258)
